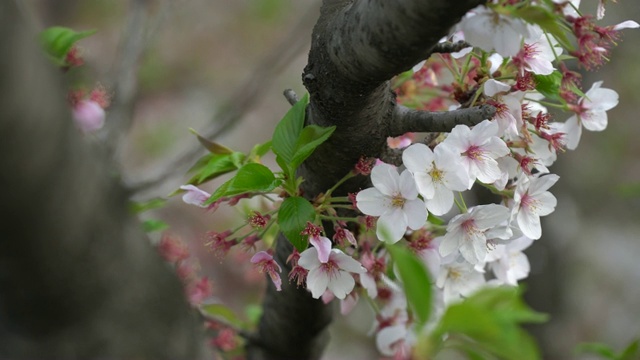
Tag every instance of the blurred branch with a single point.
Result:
(138, 33)
(242, 100)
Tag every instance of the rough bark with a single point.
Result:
(78, 278)
(357, 47)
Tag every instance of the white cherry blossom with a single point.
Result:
(467, 232)
(458, 278)
(532, 200)
(436, 173)
(479, 148)
(488, 30)
(591, 112)
(507, 261)
(195, 196)
(394, 198)
(333, 274)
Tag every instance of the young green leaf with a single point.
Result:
(139, 207)
(259, 151)
(489, 320)
(212, 146)
(549, 85)
(416, 281)
(292, 217)
(222, 312)
(251, 177)
(152, 225)
(287, 132)
(58, 40)
(602, 350)
(310, 138)
(211, 166)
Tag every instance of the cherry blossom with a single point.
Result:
(333, 274)
(591, 112)
(467, 232)
(265, 263)
(479, 148)
(458, 278)
(532, 200)
(538, 53)
(490, 30)
(507, 261)
(195, 196)
(394, 198)
(436, 173)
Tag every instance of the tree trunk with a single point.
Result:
(357, 47)
(78, 277)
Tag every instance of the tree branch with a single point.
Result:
(406, 120)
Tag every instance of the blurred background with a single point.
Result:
(220, 67)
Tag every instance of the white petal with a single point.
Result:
(317, 282)
(442, 202)
(341, 284)
(389, 336)
(408, 187)
(450, 243)
(529, 223)
(546, 204)
(385, 178)
(629, 24)
(346, 262)
(309, 259)
(391, 226)
(488, 216)
(417, 157)
(573, 131)
(594, 121)
(416, 213)
(492, 87)
(601, 99)
(541, 184)
(372, 202)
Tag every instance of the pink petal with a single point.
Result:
(323, 245)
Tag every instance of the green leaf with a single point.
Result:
(211, 166)
(259, 151)
(602, 350)
(544, 18)
(310, 138)
(549, 85)
(222, 312)
(417, 284)
(253, 313)
(212, 146)
(434, 220)
(489, 320)
(152, 225)
(292, 217)
(631, 352)
(58, 40)
(287, 132)
(250, 178)
(139, 207)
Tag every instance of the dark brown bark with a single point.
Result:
(78, 277)
(357, 46)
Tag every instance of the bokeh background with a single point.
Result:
(220, 67)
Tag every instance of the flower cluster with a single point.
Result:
(516, 66)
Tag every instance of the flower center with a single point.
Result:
(474, 152)
(330, 268)
(398, 201)
(436, 174)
